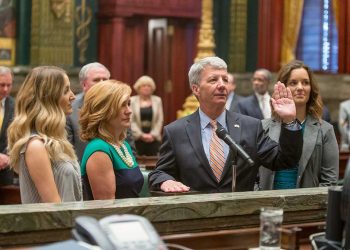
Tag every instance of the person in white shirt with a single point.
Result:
(344, 125)
(258, 104)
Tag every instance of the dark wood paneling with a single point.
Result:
(270, 34)
(168, 8)
(126, 51)
(133, 59)
(158, 66)
(183, 52)
(10, 195)
(344, 37)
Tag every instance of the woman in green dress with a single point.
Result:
(108, 168)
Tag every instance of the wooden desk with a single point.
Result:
(239, 239)
(293, 237)
(38, 224)
(10, 195)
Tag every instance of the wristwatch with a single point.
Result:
(291, 124)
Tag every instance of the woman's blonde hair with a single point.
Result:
(102, 102)
(144, 80)
(37, 110)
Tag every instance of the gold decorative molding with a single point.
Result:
(206, 44)
(191, 104)
(238, 35)
(61, 9)
(52, 34)
(83, 17)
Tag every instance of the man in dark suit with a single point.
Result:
(189, 152)
(89, 75)
(6, 115)
(258, 104)
(232, 97)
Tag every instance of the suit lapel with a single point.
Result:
(257, 109)
(234, 103)
(310, 137)
(193, 129)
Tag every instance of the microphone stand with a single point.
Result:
(234, 169)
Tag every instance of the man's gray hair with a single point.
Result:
(5, 70)
(85, 69)
(197, 68)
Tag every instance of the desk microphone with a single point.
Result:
(223, 135)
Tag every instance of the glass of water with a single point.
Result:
(270, 228)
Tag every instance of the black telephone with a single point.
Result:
(117, 232)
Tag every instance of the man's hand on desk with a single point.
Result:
(171, 186)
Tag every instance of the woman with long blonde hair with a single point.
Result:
(38, 147)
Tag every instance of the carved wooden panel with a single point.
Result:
(52, 33)
(129, 48)
(270, 34)
(344, 40)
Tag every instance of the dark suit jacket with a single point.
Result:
(8, 116)
(6, 175)
(250, 106)
(234, 104)
(182, 156)
(319, 161)
(73, 127)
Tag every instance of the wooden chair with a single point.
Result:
(147, 162)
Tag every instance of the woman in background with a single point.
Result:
(319, 162)
(108, 167)
(38, 147)
(147, 119)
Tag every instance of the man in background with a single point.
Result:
(258, 104)
(7, 106)
(344, 125)
(89, 75)
(232, 98)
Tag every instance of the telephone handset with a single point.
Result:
(87, 229)
(118, 232)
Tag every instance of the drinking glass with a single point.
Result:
(270, 228)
